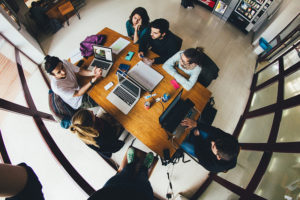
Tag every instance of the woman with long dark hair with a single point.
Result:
(137, 24)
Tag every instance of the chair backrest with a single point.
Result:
(140, 155)
(209, 71)
(66, 8)
(178, 42)
(61, 110)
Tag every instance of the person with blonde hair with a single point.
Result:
(99, 133)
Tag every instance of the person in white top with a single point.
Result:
(64, 82)
(188, 61)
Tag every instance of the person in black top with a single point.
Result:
(99, 133)
(161, 41)
(19, 182)
(216, 150)
(128, 184)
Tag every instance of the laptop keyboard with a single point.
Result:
(100, 64)
(122, 94)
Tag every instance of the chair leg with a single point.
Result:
(77, 13)
(67, 19)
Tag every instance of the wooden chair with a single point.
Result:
(67, 8)
(139, 156)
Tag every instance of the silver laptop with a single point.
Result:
(125, 95)
(103, 58)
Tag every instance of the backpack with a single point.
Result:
(86, 46)
(62, 111)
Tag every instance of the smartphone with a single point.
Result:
(80, 63)
(129, 55)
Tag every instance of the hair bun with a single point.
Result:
(200, 49)
(47, 57)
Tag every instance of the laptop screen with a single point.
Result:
(134, 90)
(102, 53)
(128, 85)
(170, 107)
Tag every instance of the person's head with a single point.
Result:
(191, 57)
(83, 126)
(159, 28)
(55, 67)
(137, 15)
(34, 4)
(226, 148)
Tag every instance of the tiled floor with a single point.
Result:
(230, 49)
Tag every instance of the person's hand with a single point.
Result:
(196, 132)
(97, 70)
(137, 27)
(188, 123)
(98, 74)
(141, 55)
(147, 61)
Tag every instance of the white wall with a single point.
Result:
(20, 38)
(286, 13)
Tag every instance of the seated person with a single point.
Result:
(162, 42)
(216, 150)
(137, 25)
(189, 61)
(100, 134)
(125, 185)
(38, 14)
(64, 82)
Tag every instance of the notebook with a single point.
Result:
(125, 95)
(103, 58)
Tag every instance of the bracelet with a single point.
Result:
(91, 82)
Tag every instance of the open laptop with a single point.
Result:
(125, 95)
(177, 110)
(103, 58)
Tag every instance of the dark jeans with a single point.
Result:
(126, 178)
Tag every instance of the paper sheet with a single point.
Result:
(119, 45)
(75, 56)
(145, 75)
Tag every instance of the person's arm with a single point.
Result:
(145, 31)
(188, 83)
(85, 88)
(168, 66)
(84, 72)
(128, 29)
(144, 43)
(13, 179)
(136, 31)
(169, 49)
(210, 130)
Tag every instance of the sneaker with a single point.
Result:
(130, 155)
(148, 160)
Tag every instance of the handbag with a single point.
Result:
(86, 46)
(209, 112)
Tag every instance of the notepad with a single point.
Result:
(119, 45)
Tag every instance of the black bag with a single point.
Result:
(187, 3)
(209, 112)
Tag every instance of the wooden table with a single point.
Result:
(142, 123)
